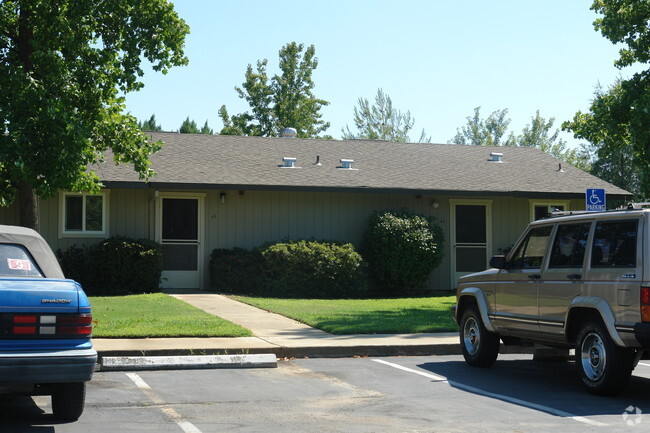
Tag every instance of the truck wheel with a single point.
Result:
(480, 347)
(68, 401)
(604, 368)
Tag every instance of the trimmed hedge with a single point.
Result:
(115, 266)
(292, 269)
(402, 249)
(312, 269)
(236, 271)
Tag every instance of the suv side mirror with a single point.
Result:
(498, 262)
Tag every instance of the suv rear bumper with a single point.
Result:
(37, 367)
(642, 334)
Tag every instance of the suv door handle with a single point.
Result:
(534, 276)
(574, 276)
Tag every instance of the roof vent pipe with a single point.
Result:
(496, 157)
(289, 133)
(317, 163)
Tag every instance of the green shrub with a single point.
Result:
(401, 249)
(235, 271)
(115, 266)
(312, 269)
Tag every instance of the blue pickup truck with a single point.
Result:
(45, 325)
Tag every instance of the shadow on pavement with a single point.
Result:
(22, 415)
(553, 385)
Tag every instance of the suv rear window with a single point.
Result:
(615, 244)
(15, 261)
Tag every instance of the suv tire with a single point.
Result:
(603, 367)
(68, 401)
(480, 347)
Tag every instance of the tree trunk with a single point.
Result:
(28, 206)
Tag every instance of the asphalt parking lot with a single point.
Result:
(398, 394)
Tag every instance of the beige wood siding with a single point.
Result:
(250, 218)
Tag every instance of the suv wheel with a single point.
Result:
(480, 347)
(604, 368)
(68, 401)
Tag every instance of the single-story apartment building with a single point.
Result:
(218, 191)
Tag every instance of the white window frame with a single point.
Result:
(548, 204)
(83, 233)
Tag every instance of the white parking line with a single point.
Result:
(169, 411)
(530, 405)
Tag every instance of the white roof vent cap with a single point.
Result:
(496, 157)
(347, 163)
(289, 162)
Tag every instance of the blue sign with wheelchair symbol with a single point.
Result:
(595, 200)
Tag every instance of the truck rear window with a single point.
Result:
(15, 261)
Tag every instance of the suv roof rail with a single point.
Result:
(640, 205)
(559, 213)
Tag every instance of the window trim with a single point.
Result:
(63, 233)
(547, 203)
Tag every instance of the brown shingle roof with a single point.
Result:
(221, 161)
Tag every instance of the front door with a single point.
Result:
(470, 236)
(179, 232)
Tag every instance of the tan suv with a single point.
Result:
(579, 281)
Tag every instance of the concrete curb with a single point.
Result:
(129, 363)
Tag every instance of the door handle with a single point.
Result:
(534, 276)
(574, 276)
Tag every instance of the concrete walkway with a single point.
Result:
(275, 334)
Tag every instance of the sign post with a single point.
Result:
(595, 200)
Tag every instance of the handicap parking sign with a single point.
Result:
(595, 200)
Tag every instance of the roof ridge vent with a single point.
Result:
(495, 157)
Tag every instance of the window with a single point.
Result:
(15, 261)
(530, 253)
(614, 244)
(569, 246)
(84, 214)
(542, 209)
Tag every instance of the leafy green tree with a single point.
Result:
(284, 100)
(618, 121)
(540, 134)
(381, 121)
(485, 132)
(150, 124)
(611, 141)
(206, 129)
(64, 66)
(493, 131)
(188, 127)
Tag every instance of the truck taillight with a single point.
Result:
(50, 325)
(645, 304)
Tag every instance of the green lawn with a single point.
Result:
(156, 315)
(365, 316)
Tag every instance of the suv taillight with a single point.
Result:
(645, 304)
(51, 325)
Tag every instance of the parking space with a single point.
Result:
(414, 394)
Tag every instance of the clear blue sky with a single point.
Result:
(437, 59)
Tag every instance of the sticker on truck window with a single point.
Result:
(19, 265)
